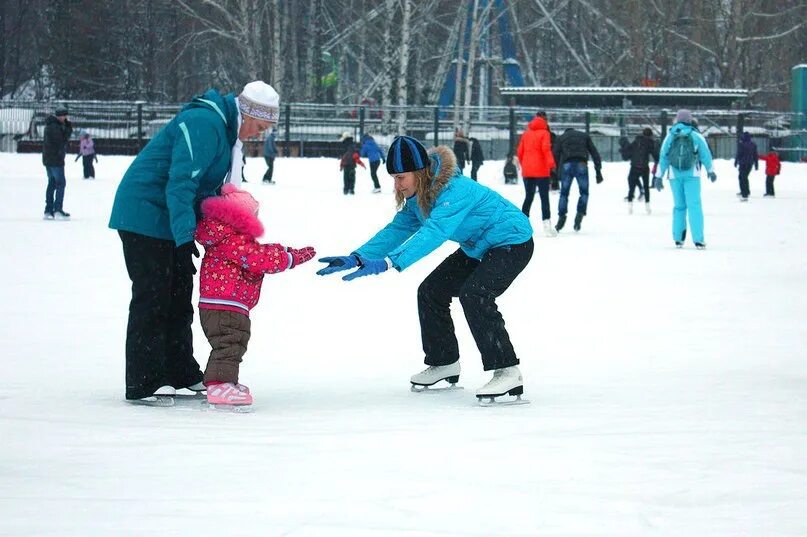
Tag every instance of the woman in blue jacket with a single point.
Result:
(437, 204)
(370, 151)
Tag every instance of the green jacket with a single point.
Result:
(186, 162)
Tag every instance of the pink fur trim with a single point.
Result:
(243, 221)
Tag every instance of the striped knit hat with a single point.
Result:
(260, 100)
(406, 155)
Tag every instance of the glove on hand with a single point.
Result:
(77, 157)
(338, 264)
(301, 256)
(599, 176)
(712, 176)
(368, 267)
(658, 184)
(183, 257)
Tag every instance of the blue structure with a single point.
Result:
(512, 70)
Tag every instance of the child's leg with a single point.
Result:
(769, 185)
(228, 333)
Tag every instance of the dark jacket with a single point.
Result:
(269, 146)
(640, 150)
(461, 151)
(746, 153)
(575, 146)
(477, 156)
(54, 145)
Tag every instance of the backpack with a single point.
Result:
(682, 153)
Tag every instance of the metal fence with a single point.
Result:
(310, 130)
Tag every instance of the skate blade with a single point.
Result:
(155, 401)
(234, 409)
(420, 388)
(488, 401)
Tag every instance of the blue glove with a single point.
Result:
(712, 176)
(338, 264)
(368, 267)
(658, 183)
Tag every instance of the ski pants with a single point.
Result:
(374, 173)
(54, 193)
(476, 283)
(530, 184)
(573, 170)
(228, 333)
(745, 190)
(633, 181)
(270, 169)
(687, 200)
(89, 169)
(769, 185)
(159, 341)
(348, 180)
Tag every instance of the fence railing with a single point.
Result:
(307, 129)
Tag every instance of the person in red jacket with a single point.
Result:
(773, 166)
(535, 156)
(230, 285)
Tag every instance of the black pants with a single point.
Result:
(89, 169)
(530, 183)
(159, 342)
(745, 190)
(475, 169)
(633, 181)
(349, 180)
(769, 185)
(373, 169)
(270, 169)
(554, 180)
(477, 284)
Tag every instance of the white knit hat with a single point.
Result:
(260, 100)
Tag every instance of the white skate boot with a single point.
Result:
(434, 374)
(549, 229)
(505, 381)
(630, 207)
(647, 207)
(163, 396)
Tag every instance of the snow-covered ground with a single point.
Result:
(668, 387)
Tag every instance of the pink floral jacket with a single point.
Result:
(234, 262)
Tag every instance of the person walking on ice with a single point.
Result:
(682, 152)
(437, 204)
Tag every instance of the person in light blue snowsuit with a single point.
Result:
(685, 183)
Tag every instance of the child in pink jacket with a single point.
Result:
(230, 285)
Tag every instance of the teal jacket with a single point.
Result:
(186, 162)
(703, 154)
(464, 211)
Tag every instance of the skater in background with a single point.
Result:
(86, 152)
(461, 149)
(571, 150)
(746, 158)
(54, 148)
(773, 167)
(269, 154)
(230, 282)
(535, 156)
(640, 151)
(683, 151)
(510, 170)
(477, 157)
(155, 215)
(370, 151)
(554, 178)
(625, 152)
(435, 205)
(347, 164)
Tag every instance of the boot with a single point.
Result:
(630, 207)
(227, 395)
(435, 373)
(61, 215)
(549, 231)
(578, 219)
(561, 222)
(647, 207)
(504, 381)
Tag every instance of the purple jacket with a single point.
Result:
(86, 147)
(746, 153)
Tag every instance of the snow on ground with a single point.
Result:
(668, 387)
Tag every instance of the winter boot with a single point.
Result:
(434, 374)
(578, 219)
(647, 207)
(630, 207)
(61, 215)
(49, 216)
(561, 222)
(229, 396)
(505, 381)
(700, 245)
(549, 231)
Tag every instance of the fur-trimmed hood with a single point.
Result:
(443, 167)
(241, 220)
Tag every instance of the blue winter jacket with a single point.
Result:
(184, 163)
(703, 154)
(269, 147)
(370, 149)
(464, 211)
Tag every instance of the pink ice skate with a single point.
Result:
(230, 397)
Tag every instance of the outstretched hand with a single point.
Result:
(368, 267)
(301, 256)
(338, 264)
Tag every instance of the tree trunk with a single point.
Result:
(469, 76)
(404, 66)
(460, 61)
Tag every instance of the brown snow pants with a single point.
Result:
(228, 333)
